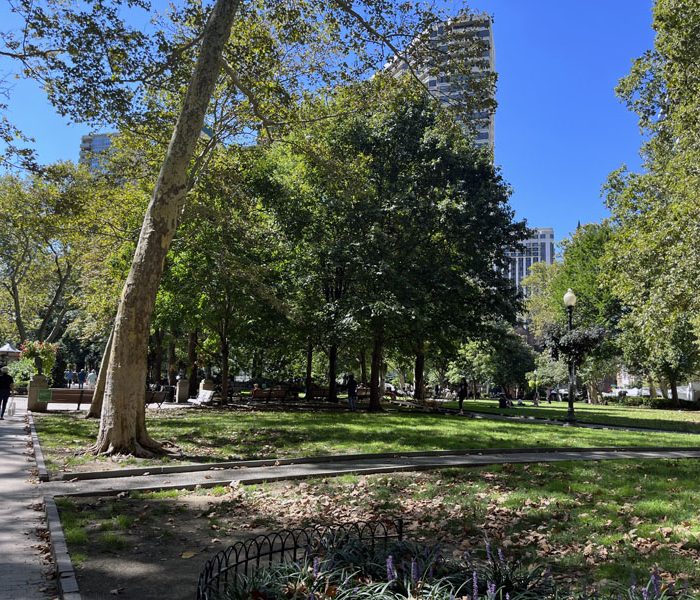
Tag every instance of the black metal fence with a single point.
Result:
(289, 545)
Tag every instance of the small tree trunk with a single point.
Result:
(224, 369)
(363, 366)
(418, 373)
(157, 369)
(674, 392)
(98, 395)
(123, 422)
(475, 388)
(192, 364)
(652, 389)
(375, 404)
(172, 360)
(309, 365)
(332, 373)
(664, 389)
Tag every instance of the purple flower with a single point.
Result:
(500, 556)
(390, 570)
(488, 550)
(317, 563)
(414, 571)
(645, 594)
(475, 587)
(491, 590)
(656, 582)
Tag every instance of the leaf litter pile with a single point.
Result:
(591, 523)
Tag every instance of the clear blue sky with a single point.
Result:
(559, 127)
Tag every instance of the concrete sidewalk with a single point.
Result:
(329, 468)
(21, 572)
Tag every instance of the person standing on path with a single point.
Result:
(7, 384)
(352, 393)
(462, 393)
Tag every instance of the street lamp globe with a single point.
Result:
(569, 298)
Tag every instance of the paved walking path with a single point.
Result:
(21, 572)
(327, 468)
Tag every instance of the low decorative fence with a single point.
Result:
(289, 545)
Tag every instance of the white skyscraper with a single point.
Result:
(539, 248)
(454, 39)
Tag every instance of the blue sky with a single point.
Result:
(559, 127)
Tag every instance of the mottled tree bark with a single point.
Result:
(98, 395)
(123, 423)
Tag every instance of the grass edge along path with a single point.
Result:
(207, 436)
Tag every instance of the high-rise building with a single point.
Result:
(90, 148)
(454, 39)
(539, 248)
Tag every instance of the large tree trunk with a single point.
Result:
(192, 364)
(332, 373)
(375, 404)
(98, 395)
(309, 365)
(418, 371)
(123, 423)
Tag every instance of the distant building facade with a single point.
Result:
(91, 146)
(453, 37)
(539, 248)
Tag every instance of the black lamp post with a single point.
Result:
(570, 302)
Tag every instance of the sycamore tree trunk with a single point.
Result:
(332, 373)
(123, 423)
(418, 373)
(375, 404)
(98, 395)
(652, 389)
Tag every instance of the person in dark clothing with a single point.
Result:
(352, 392)
(6, 386)
(462, 393)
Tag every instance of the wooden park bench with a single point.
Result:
(277, 393)
(157, 397)
(65, 396)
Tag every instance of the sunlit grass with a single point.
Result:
(211, 435)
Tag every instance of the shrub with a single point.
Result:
(410, 571)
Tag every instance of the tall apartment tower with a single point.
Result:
(91, 146)
(453, 37)
(539, 248)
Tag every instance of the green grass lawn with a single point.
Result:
(215, 435)
(594, 522)
(628, 416)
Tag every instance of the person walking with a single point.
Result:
(68, 377)
(7, 384)
(81, 378)
(462, 393)
(92, 379)
(352, 393)
(74, 377)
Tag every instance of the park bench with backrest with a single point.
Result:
(65, 396)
